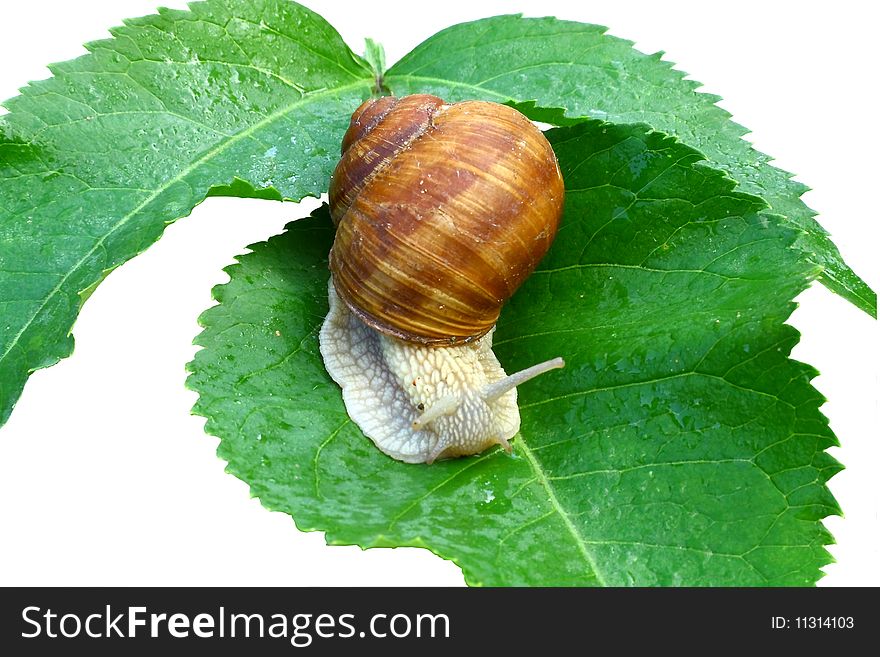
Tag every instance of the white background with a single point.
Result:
(108, 480)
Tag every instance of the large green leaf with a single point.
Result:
(577, 68)
(235, 97)
(680, 445)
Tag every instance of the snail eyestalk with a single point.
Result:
(494, 390)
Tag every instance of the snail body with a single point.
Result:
(441, 212)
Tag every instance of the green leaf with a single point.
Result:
(375, 57)
(577, 68)
(232, 97)
(680, 445)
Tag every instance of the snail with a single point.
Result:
(441, 212)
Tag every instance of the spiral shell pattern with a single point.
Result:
(441, 212)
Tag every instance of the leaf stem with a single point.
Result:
(374, 53)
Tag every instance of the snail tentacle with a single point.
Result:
(494, 390)
(444, 406)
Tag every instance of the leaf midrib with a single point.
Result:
(391, 77)
(579, 540)
(207, 157)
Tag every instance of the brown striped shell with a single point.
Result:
(441, 212)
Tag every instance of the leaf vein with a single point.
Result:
(208, 156)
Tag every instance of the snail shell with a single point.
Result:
(441, 213)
